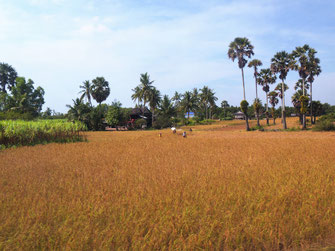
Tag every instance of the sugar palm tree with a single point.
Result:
(282, 63)
(279, 89)
(154, 100)
(265, 78)
(86, 91)
(239, 49)
(308, 67)
(254, 64)
(273, 101)
(314, 70)
(100, 89)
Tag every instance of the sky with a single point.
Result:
(182, 44)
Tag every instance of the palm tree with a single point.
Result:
(176, 98)
(166, 107)
(188, 103)
(280, 90)
(308, 67)
(79, 110)
(204, 99)
(281, 63)
(315, 70)
(86, 91)
(273, 101)
(100, 89)
(145, 88)
(224, 105)
(265, 78)
(154, 100)
(255, 63)
(240, 48)
(207, 98)
(137, 95)
(297, 104)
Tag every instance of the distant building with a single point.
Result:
(239, 115)
(191, 114)
(140, 113)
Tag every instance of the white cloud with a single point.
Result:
(180, 49)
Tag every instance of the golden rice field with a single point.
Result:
(221, 188)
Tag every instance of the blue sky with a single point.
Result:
(181, 44)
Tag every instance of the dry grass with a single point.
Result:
(220, 188)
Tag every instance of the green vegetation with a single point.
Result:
(21, 133)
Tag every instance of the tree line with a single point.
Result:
(302, 59)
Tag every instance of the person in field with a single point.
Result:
(184, 134)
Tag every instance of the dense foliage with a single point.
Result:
(14, 133)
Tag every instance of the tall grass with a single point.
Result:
(217, 189)
(20, 133)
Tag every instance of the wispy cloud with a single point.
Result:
(181, 44)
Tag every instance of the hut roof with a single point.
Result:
(139, 111)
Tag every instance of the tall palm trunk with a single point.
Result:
(257, 114)
(246, 123)
(243, 84)
(312, 121)
(267, 109)
(245, 115)
(273, 115)
(304, 113)
(152, 116)
(283, 115)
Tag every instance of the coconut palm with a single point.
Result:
(166, 107)
(224, 105)
(238, 49)
(100, 89)
(86, 91)
(188, 104)
(145, 88)
(154, 100)
(273, 101)
(265, 78)
(137, 95)
(282, 63)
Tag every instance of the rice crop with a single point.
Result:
(20, 133)
(219, 188)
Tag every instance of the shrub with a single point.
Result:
(325, 125)
(139, 123)
(330, 117)
(162, 122)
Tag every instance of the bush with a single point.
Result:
(12, 115)
(162, 122)
(325, 125)
(139, 123)
(255, 128)
(330, 117)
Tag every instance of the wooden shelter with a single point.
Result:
(140, 113)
